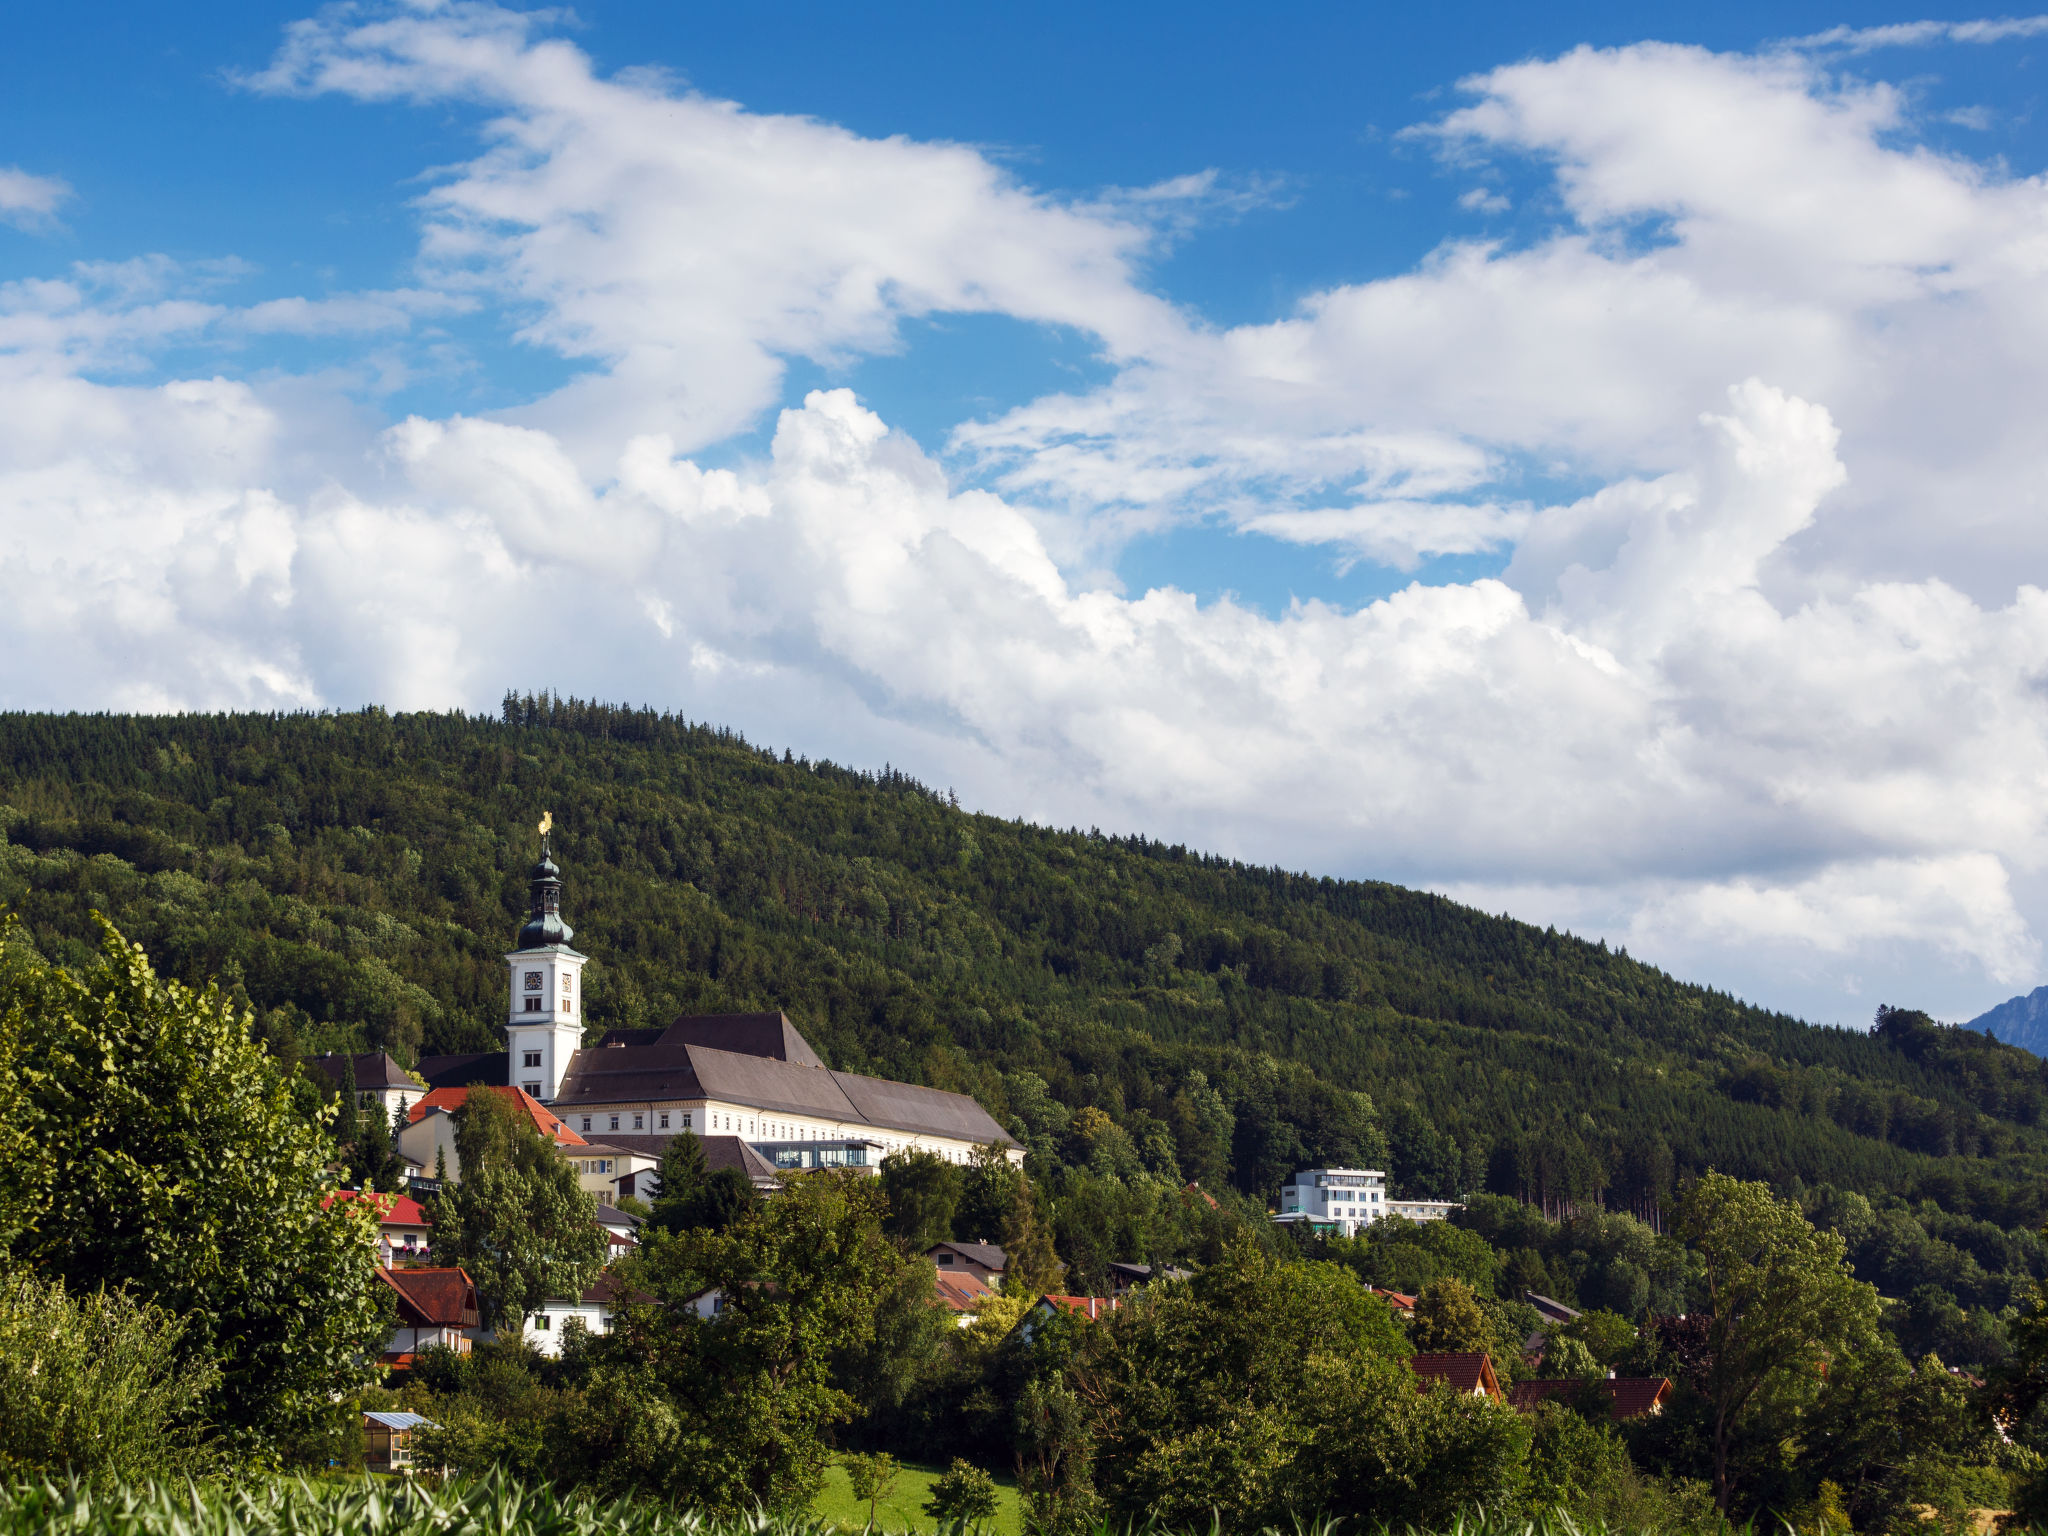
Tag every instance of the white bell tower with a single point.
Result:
(544, 992)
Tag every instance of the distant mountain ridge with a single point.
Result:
(2020, 1021)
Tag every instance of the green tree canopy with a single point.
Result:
(731, 1412)
(170, 1160)
(1781, 1304)
(924, 1193)
(518, 1221)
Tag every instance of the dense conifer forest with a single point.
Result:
(1125, 1006)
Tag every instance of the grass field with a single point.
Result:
(903, 1509)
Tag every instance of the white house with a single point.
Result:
(1347, 1199)
(594, 1309)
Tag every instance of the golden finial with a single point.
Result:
(547, 822)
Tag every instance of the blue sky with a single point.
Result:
(1579, 458)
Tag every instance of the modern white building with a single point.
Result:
(1344, 1198)
(1348, 1199)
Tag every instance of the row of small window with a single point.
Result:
(639, 1122)
(593, 1165)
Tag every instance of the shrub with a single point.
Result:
(962, 1495)
(92, 1386)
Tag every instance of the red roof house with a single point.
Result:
(449, 1100)
(435, 1307)
(1469, 1372)
(404, 1230)
(1629, 1397)
(959, 1291)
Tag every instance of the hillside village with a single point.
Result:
(759, 1102)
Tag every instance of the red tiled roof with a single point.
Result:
(1399, 1301)
(433, 1298)
(1090, 1307)
(958, 1290)
(392, 1210)
(1469, 1371)
(1628, 1396)
(544, 1120)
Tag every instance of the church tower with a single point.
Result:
(544, 1002)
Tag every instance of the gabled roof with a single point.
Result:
(449, 1100)
(759, 1060)
(611, 1215)
(491, 1068)
(745, 1034)
(1400, 1301)
(987, 1255)
(1628, 1397)
(958, 1290)
(1468, 1371)
(1555, 1311)
(1093, 1308)
(392, 1210)
(374, 1069)
(433, 1298)
(719, 1152)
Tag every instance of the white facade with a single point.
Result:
(544, 1328)
(1348, 1198)
(544, 1017)
(1423, 1210)
(713, 1117)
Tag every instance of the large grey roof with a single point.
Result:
(746, 1034)
(773, 1069)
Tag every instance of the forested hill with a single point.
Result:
(1117, 1001)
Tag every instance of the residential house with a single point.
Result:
(719, 1152)
(381, 1083)
(959, 1293)
(1468, 1372)
(1125, 1278)
(1402, 1303)
(1553, 1312)
(404, 1230)
(985, 1261)
(429, 1136)
(387, 1440)
(751, 1075)
(435, 1307)
(1628, 1397)
(594, 1309)
(600, 1165)
(1089, 1308)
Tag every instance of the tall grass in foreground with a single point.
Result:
(496, 1506)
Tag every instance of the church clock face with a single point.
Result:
(533, 981)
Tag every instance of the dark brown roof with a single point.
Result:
(487, 1067)
(1628, 1396)
(433, 1298)
(1469, 1371)
(987, 1255)
(374, 1069)
(744, 1034)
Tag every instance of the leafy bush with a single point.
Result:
(92, 1386)
(964, 1495)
